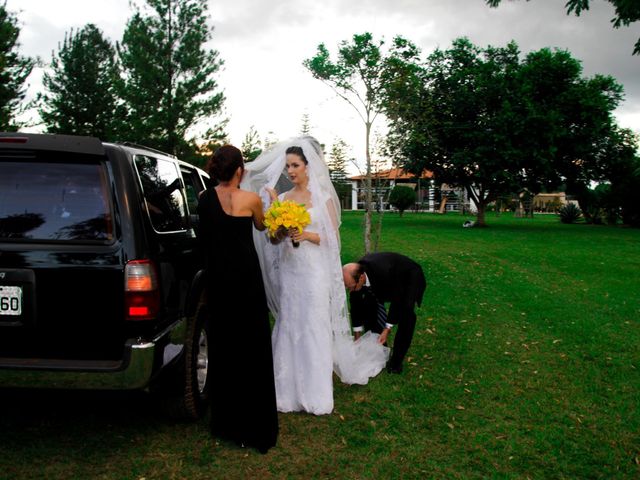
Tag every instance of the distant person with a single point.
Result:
(243, 399)
(378, 278)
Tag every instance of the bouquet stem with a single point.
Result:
(295, 244)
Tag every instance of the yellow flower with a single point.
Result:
(286, 214)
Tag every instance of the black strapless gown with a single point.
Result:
(243, 398)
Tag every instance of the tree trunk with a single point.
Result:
(481, 200)
(443, 204)
(367, 201)
(480, 217)
(377, 231)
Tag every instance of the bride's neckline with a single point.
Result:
(305, 205)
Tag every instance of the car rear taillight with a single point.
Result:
(142, 296)
(13, 139)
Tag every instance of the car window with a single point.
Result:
(54, 201)
(207, 180)
(193, 187)
(162, 189)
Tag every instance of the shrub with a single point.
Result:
(569, 213)
(402, 197)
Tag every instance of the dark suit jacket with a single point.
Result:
(394, 278)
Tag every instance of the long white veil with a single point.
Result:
(353, 362)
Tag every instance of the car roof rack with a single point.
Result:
(55, 142)
(144, 147)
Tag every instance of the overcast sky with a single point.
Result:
(263, 44)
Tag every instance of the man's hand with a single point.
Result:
(383, 335)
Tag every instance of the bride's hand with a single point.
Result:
(297, 236)
(272, 193)
(304, 235)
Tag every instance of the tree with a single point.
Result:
(81, 97)
(379, 187)
(627, 12)
(356, 77)
(402, 197)
(200, 150)
(251, 146)
(305, 129)
(482, 120)
(569, 120)
(451, 116)
(337, 163)
(169, 83)
(621, 170)
(269, 141)
(14, 70)
(338, 160)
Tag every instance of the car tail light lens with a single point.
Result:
(13, 139)
(142, 296)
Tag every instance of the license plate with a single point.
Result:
(11, 301)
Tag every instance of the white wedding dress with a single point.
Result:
(301, 338)
(306, 295)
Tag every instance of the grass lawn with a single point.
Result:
(525, 364)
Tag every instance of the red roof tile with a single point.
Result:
(393, 174)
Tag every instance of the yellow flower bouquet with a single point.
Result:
(286, 214)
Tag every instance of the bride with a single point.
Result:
(305, 290)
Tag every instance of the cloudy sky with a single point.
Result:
(263, 44)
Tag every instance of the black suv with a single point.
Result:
(100, 272)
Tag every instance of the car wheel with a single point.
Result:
(197, 375)
(185, 393)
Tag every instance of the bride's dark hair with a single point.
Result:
(224, 163)
(295, 150)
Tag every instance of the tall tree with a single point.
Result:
(482, 120)
(81, 97)
(14, 70)
(567, 121)
(337, 163)
(169, 75)
(619, 167)
(627, 12)
(269, 140)
(357, 77)
(201, 149)
(305, 129)
(251, 145)
(465, 140)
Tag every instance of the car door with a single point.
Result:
(165, 201)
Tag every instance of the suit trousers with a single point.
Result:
(364, 310)
(404, 329)
(402, 340)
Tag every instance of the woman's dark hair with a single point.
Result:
(224, 163)
(297, 151)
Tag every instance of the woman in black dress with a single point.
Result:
(243, 402)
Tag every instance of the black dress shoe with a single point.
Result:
(394, 368)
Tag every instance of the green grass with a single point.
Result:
(525, 364)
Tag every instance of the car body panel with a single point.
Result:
(72, 332)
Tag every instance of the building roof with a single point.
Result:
(393, 174)
(551, 195)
